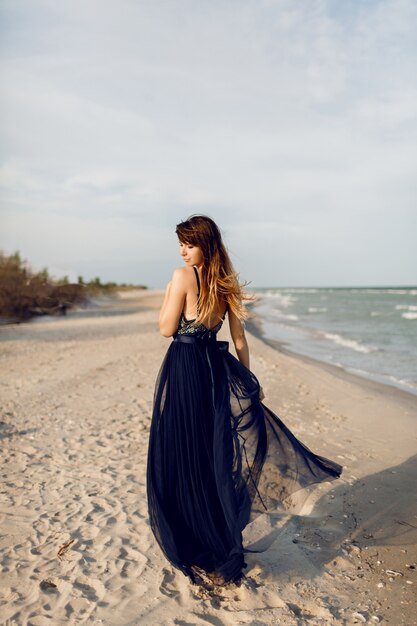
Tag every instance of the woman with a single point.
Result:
(217, 455)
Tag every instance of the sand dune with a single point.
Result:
(75, 543)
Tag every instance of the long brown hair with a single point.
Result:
(219, 279)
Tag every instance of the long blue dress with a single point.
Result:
(217, 455)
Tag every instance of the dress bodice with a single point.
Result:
(187, 327)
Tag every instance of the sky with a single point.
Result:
(292, 123)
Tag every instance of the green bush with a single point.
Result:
(24, 293)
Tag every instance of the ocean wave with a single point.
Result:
(402, 381)
(409, 316)
(410, 292)
(348, 343)
(316, 309)
(283, 293)
(408, 307)
(297, 290)
(276, 313)
(283, 300)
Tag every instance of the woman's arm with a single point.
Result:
(173, 303)
(237, 332)
(167, 290)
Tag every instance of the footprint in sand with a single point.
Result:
(134, 562)
(248, 598)
(168, 587)
(91, 589)
(173, 587)
(310, 611)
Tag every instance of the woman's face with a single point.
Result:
(192, 255)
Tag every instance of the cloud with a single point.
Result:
(290, 112)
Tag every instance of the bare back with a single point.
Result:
(190, 306)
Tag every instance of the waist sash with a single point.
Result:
(210, 339)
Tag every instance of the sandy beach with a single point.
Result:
(75, 543)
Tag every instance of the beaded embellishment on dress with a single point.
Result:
(187, 327)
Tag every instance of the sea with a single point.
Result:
(369, 331)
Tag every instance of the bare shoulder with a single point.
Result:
(181, 277)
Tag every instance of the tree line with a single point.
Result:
(25, 293)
